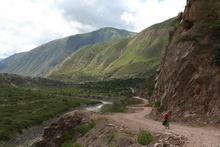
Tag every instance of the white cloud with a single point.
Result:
(26, 24)
(144, 13)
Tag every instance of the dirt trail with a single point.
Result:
(196, 136)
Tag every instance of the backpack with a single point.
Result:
(164, 122)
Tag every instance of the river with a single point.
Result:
(28, 137)
(97, 108)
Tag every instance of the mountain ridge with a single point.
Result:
(39, 60)
(132, 57)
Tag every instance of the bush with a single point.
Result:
(72, 134)
(157, 103)
(4, 136)
(216, 55)
(188, 37)
(214, 27)
(77, 145)
(83, 129)
(120, 105)
(66, 144)
(144, 137)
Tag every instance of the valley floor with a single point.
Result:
(196, 136)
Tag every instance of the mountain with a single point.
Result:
(39, 61)
(134, 57)
(12, 80)
(188, 81)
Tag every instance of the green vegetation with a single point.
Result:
(113, 88)
(216, 55)
(120, 105)
(71, 135)
(77, 145)
(26, 102)
(21, 108)
(214, 28)
(202, 8)
(119, 66)
(157, 104)
(134, 57)
(144, 137)
(42, 59)
(188, 37)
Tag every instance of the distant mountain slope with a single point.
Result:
(134, 57)
(40, 60)
(12, 80)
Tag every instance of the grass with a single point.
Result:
(21, 108)
(134, 57)
(80, 130)
(27, 105)
(144, 137)
(188, 37)
(120, 105)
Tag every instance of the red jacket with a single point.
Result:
(166, 116)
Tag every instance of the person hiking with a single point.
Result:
(166, 120)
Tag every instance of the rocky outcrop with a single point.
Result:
(106, 134)
(54, 134)
(169, 140)
(187, 83)
(103, 134)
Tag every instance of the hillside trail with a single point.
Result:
(196, 136)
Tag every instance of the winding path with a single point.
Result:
(196, 136)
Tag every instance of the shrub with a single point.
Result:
(83, 129)
(120, 106)
(216, 55)
(187, 37)
(72, 134)
(157, 103)
(214, 27)
(77, 145)
(4, 136)
(66, 144)
(144, 137)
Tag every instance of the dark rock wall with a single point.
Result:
(187, 83)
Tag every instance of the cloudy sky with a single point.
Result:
(26, 24)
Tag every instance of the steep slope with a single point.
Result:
(134, 57)
(188, 82)
(40, 60)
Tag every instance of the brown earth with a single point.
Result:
(121, 130)
(197, 136)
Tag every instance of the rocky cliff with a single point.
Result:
(188, 81)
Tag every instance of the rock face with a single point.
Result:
(187, 83)
(105, 134)
(53, 135)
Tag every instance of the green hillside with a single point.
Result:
(39, 61)
(134, 57)
(27, 102)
